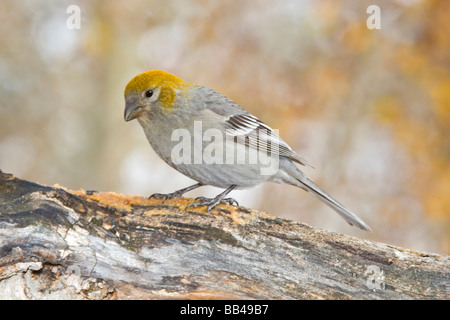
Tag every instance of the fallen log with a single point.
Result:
(60, 244)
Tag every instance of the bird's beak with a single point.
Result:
(132, 111)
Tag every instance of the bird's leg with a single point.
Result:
(177, 193)
(213, 202)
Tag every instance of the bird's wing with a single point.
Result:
(249, 130)
(244, 127)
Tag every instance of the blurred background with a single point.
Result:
(369, 109)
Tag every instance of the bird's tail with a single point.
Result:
(317, 192)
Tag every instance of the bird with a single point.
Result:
(211, 139)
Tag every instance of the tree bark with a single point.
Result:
(56, 244)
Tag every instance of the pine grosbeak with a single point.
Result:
(209, 138)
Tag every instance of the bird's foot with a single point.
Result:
(175, 194)
(211, 203)
(231, 202)
(166, 196)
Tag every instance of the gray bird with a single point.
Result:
(209, 138)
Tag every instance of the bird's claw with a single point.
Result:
(165, 196)
(230, 201)
(211, 203)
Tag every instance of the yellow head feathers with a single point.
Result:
(156, 79)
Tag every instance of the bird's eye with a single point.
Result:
(149, 93)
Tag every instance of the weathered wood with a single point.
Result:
(64, 245)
